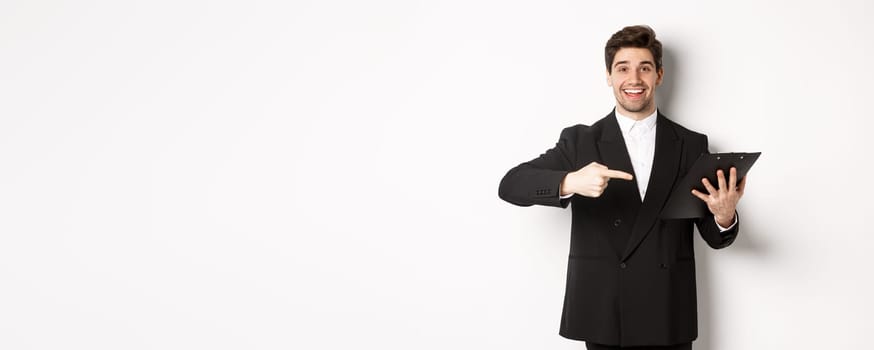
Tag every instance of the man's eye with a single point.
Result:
(645, 69)
(622, 69)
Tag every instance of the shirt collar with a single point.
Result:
(625, 123)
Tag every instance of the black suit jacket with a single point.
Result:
(631, 275)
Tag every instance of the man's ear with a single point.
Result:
(661, 73)
(610, 81)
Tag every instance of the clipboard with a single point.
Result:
(682, 204)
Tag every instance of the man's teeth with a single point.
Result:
(633, 91)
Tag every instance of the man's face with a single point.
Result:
(634, 80)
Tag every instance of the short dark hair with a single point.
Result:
(640, 36)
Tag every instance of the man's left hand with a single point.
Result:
(722, 202)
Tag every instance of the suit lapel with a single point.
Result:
(666, 163)
(621, 197)
(614, 155)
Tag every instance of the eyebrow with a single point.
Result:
(641, 63)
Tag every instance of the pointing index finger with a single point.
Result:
(616, 174)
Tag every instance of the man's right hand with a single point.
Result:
(591, 180)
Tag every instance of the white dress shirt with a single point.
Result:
(639, 138)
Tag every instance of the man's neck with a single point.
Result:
(637, 116)
(634, 116)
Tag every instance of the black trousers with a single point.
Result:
(593, 346)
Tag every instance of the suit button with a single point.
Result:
(622, 265)
(617, 223)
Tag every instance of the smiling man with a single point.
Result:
(631, 275)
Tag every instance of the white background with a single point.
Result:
(324, 174)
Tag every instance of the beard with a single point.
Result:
(635, 107)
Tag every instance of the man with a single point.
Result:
(631, 274)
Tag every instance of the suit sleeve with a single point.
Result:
(710, 232)
(537, 181)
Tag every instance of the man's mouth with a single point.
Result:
(633, 93)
